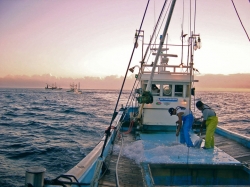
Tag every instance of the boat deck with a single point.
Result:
(129, 173)
(234, 149)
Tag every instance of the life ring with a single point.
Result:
(167, 90)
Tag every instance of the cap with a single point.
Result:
(171, 110)
(199, 104)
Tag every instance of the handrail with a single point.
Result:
(169, 66)
(168, 72)
(174, 71)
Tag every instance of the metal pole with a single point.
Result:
(191, 69)
(161, 44)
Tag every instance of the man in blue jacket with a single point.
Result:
(185, 122)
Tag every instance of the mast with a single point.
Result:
(161, 44)
(158, 53)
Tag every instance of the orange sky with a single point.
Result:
(233, 82)
(94, 38)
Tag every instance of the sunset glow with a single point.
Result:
(95, 38)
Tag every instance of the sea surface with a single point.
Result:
(56, 129)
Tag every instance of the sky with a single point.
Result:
(82, 38)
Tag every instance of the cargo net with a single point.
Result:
(146, 97)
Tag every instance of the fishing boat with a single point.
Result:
(53, 87)
(75, 89)
(144, 127)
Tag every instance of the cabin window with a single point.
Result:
(155, 89)
(178, 90)
(167, 90)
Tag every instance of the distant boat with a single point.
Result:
(53, 87)
(74, 88)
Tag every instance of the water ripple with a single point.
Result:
(56, 129)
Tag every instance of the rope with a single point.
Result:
(106, 138)
(240, 20)
(111, 152)
(116, 168)
(130, 127)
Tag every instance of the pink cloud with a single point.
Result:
(209, 81)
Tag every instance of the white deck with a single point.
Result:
(165, 148)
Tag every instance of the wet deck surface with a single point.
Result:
(234, 149)
(129, 173)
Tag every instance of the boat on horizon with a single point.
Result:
(75, 88)
(143, 126)
(52, 87)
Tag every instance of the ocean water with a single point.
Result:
(56, 129)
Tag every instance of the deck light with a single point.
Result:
(133, 68)
(184, 101)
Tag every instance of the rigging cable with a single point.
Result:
(190, 25)
(154, 12)
(194, 14)
(150, 42)
(240, 20)
(182, 33)
(108, 131)
(163, 19)
(192, 67)
(151, 38)
(130, 95)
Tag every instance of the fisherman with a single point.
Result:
(210, 120)
(185, 122)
